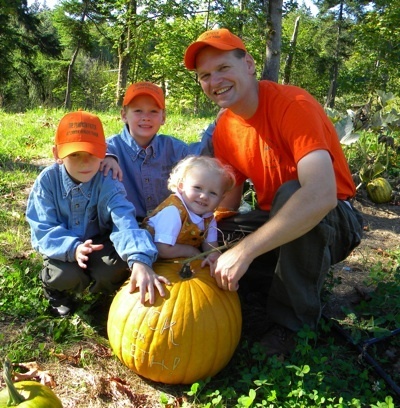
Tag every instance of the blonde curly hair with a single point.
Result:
(201, 163)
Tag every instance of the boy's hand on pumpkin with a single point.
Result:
(145, 279)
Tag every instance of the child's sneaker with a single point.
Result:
(60, 303)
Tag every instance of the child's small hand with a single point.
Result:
(83, 250)
(144, 278)
(109, 163)
(211, 260)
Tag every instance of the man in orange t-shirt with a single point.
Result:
(280, 138)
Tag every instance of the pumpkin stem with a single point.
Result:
(185, 272)
(15, 398)
(227, 245)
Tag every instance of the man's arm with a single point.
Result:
(302, 212)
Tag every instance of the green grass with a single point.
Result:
(324, 370)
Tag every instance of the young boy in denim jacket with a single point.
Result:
(82, 223)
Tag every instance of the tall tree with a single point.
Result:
(290, 55)
(75, 19)
(344, 14)
(375, 62)
(330, 99)
(273, 40)
(22, 38)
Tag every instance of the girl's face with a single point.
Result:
(144, 118)
(201, 192)
(81, 166)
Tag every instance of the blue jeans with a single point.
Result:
(292, 276)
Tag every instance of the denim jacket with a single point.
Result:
(146, 171)
(63, 214)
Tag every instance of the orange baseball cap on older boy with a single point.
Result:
(221, 39)
(144, 88)
(80, 132)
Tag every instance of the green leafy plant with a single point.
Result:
(369, 135)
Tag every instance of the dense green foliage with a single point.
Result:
(83, 53)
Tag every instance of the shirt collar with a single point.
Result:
(130, 141)
(68, 184)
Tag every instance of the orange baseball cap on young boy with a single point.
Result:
(144, 88)
(221, 39)
(80, 132)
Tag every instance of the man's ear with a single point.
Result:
(251, 65)
(55, 155)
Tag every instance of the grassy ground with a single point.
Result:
(324, 371)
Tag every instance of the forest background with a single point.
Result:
(83, 54)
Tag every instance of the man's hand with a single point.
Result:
(229, 268)
(83, 250)
(144, 278)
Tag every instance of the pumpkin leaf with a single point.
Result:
(370, 171)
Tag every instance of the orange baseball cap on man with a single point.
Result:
(144, 88)
(80, 132)
(222, 39)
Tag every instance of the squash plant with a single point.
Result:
(190, 334)
(26, 394)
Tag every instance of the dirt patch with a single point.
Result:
(381, 233)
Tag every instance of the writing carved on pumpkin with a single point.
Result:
(167, 325)
(152, 362)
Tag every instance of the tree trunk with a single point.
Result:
(124, 59)
(125, 53)
(330, 99)
(274, 39)
(67, 101)
(292, 49)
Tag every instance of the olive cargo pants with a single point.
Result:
(105, 272)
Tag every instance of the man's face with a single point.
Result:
(225, 78)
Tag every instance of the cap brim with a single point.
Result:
(160, 104)
(194, 49)
(64, 150)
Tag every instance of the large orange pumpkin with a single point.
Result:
(188, 335)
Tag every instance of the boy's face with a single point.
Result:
(202, 192)
(144, 118)
(81, 166)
